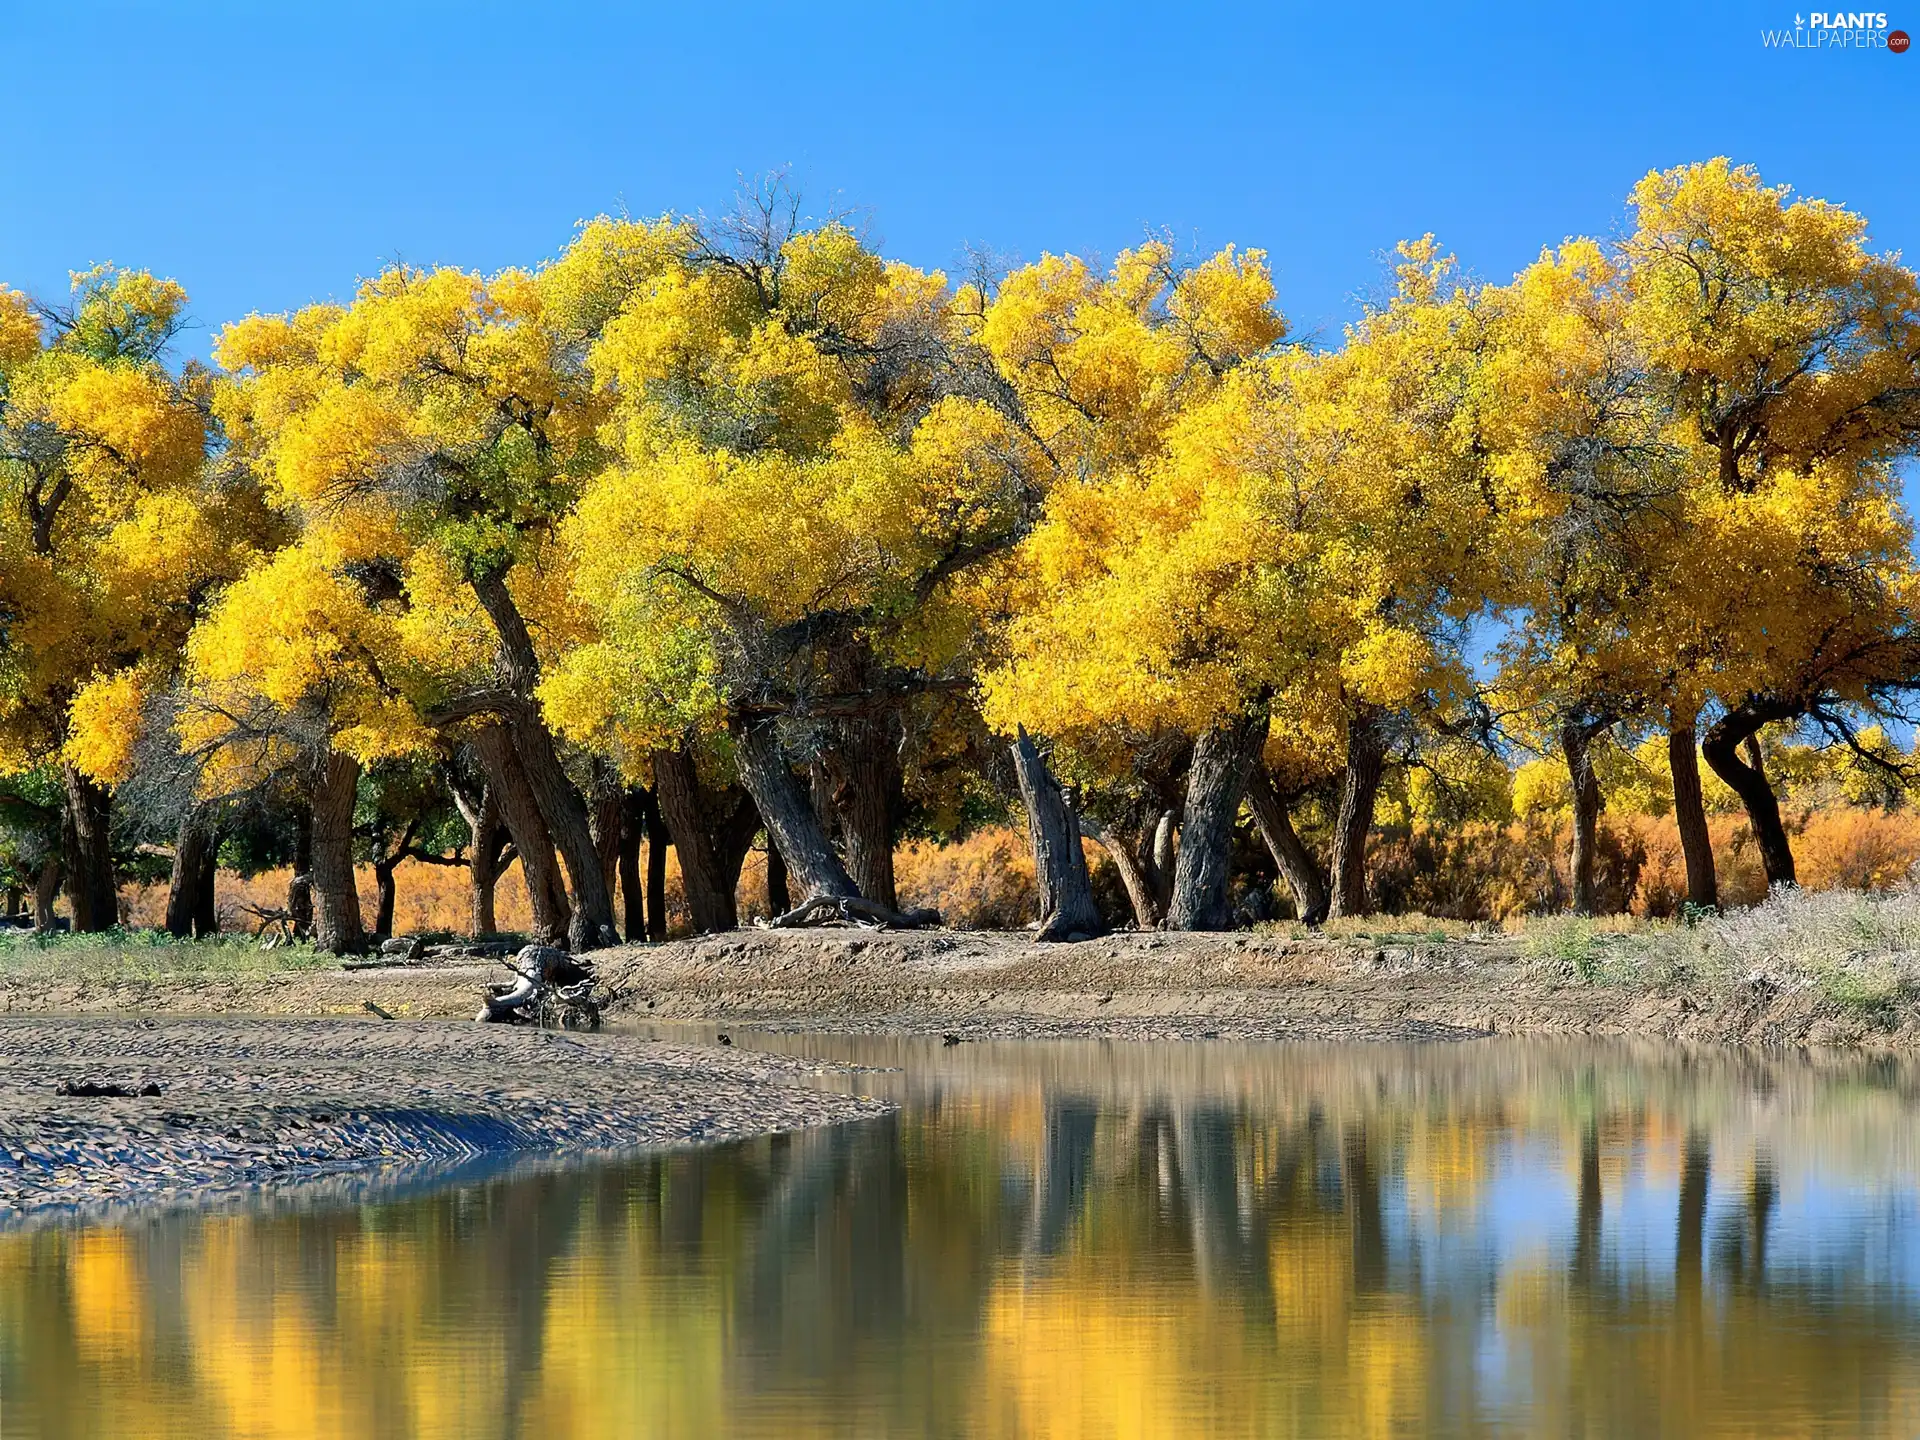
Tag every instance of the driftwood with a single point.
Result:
(867, 914)
(551, 989)
(271, 915)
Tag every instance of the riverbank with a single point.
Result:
(1830, 971)
(235, 1104)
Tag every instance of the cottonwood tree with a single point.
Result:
(1787, 356)
(114, 531)
(804, 483)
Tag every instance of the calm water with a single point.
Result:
(1065, 1240)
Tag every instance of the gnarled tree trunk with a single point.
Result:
(1297, 865)
(561, 804)
(1143, 854)
(712, 831)
(1749, 781)
(863, 771)
(546, 892)
(1690, 814)
(336, 926)
(1060, 865)
(190, 902)
(486, 848)
(1366, 758)
(1221, 759)
(608, 816)
(1576, 743)
(787, 813)
(87, 834)
(46, 889)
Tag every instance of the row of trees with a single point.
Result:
(704, 532)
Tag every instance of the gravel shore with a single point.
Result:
(245, 1103)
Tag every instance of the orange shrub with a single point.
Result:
(984, 882)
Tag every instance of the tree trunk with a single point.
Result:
(190, 906)
(486, 843)
(1297, 865)
(561, 805)
(46, 889)
(608, 818)
(864, 772)
(1749, 781)
(788, 815)
(546, 892)
(633, 833)
(657, 841)
(686, 807)
(300, 882)
(779, 897)
(1576, 743)
(1690, 814)
(1366, 757)
(384, 890)
(87, 829)
(15, 895)
(1136, 854)
(1059, 863)
(337, 928)
(1202, 899)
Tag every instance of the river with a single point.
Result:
(1075, 1238)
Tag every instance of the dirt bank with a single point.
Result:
(244, 1103)
(974, 984)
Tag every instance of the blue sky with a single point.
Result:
(267, 155)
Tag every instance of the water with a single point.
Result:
(1075, 1239)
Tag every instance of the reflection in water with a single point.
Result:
(1065, 1240)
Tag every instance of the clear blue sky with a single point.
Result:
(268, 154)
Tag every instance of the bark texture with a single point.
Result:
(561, 805)
(1060, 865)
(190, 903)
(87, 834)
(1576, 743)
(487, 842)
(1722, 747)
(864, 784)
(1352, 826)
(1298, 868)
(337, 927)
(1690, 813)
(46, 889)
(1202, 898)
(546, 891)
(788, 814)
(1143, 854)
(712, 831)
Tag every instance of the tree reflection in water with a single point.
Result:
(1064, 1239)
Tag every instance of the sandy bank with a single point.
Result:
(245, 1103)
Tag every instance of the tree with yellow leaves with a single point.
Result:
(114, 531)
(810, 470)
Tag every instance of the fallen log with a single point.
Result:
(853, 910)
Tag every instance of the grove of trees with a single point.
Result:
(724, 534)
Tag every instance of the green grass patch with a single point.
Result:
(147, 955)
